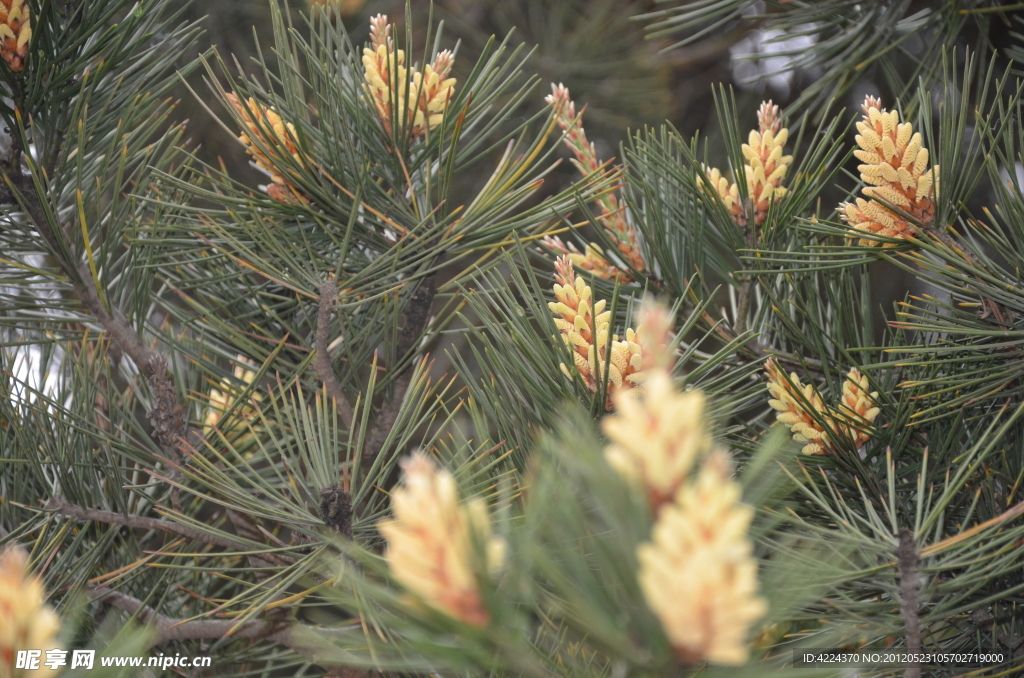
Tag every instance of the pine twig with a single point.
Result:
(322, 359)
(750, 235)
(939, 232)
(759, 351)
(245, 527)
(907, 558)
(63, 507)
(168, 629)
(169, 414)
(416, 316)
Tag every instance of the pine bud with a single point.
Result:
(764, 170)
(421, 97)
(794, 403)
(857, 408)
(766, 166)
(895, 164)
(26, 621)
(656, 437)
(431, 541)
(698, 573)
(269, 139)
(612, 215)
(584, 326)
(654, 325)
(15, 32)
(728, 193)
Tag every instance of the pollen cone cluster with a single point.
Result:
(26, 621)
(698, 572)
(764, 170)
(657, 436)
(15, 33)
(222, 399)
(794, 403)
(896, 166)
(421, 97)
(584, 326)
(431, 541)
(269, 139)
(857, 410)
(612, 215)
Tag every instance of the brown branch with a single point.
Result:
(63, 507)
(168, 415)
(322, 359)
(939, 233)
(116, 324)
(907, 558)
(416, 316)
(751, 230)
(385, 421)
(743, 305)
(10, 168)
(759, 351)
(170, 629)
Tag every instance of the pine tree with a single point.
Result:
(679, 438)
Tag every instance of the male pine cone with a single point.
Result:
(800, 407)
(584, 326)
(431, 540)
(26, 621)
(15, 33)
(896, 169)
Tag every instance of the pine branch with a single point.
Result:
(16, 182)
(322, 360)
(416, 316)
(910, 597)
(750, 235)
(169, 629)
(62, 506)
(758, 351)
(168, 415)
